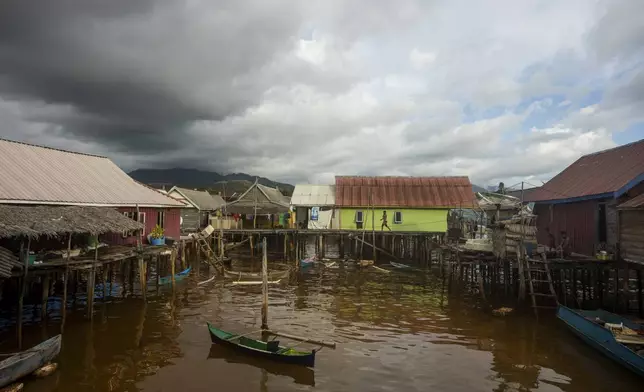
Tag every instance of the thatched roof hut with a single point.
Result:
(52, 221)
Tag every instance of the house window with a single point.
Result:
(127, 233)
(398, 217)
(359, 217)
(141, 219)
(161, 219)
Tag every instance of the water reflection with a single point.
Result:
(395, 331)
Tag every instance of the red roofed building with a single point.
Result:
(412, 204)
(582, 200)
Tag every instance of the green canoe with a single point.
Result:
(270, 350)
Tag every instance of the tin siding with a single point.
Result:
(632, 235)
(579, 220)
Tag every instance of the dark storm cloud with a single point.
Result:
(138, 73)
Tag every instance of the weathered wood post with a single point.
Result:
(66, 278)
(143, 280)
(25, 255)
(183, 255)
(252, 250)
(264, 287)
(45, 297)
(173, 262)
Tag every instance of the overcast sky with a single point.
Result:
(300, 91)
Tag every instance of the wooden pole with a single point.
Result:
(91, 285)
(173, 262)
(45, 297)
(66, 278)
(221, 243)
(373, 226)
(264, 287)
(23, 284)
(183, 255)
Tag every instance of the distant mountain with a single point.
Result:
(201, 179)
(477, 188)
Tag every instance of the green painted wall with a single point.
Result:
(425, 220)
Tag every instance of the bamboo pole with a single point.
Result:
(264, 286)
(66, 278)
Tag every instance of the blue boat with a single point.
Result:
(592, 327)
(306, 263)
(178, 276)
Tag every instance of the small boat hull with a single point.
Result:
(273, 275)
(24, 363)
(179, 276)
(601, 338)
(399, 265)
(259, 349)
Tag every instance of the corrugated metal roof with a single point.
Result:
(636, 202)
(413, 192)
(313, 195)
(260, 198)
(203, 200)
(599, 173)
(41, 175)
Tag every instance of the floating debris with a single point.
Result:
(13, 388)
(502, 311)
(46, 370)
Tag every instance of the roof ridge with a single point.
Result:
(53, 148)
(612, 148)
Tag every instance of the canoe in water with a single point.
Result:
(179, 276)
(610, 334)
(26, 362)
(269, 350)
(272, 275)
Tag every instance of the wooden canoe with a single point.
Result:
(269, 350)
(590, 326)
(26, 362)
(272, 275)
(399, 265)
(178, 276)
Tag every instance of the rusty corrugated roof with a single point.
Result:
(601, 173)
(32, 174)
(411, 192)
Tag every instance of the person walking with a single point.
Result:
(384, 221)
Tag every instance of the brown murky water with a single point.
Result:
(395, 332)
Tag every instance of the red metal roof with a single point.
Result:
(636, 202)
(411, 192)
(599, 173)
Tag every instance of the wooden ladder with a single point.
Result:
(205, 248)
(540, 273)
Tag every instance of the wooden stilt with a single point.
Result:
(91, 285)
(183, 255)
(66, 278)
(640, 307)
(104, 273)
(45, 297)
(143, 276)
(264, 287)
(23, 283)
(173, 259)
